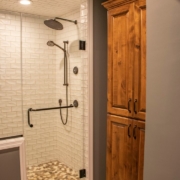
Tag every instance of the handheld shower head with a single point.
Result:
(50, 43)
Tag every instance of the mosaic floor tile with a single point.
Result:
(51, 171)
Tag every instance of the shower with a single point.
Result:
(51, 44)
(54, 24)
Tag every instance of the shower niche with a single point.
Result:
(37, 64)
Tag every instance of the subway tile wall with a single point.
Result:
(11, 123)
(42, 86)
(39, 89)
(70, 137)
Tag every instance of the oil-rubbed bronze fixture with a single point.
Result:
(82, 45)
(52, 23)
(75, 104)
(51, 43)
(75, 70)
(45, 109)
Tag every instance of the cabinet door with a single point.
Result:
(140, 61)
(120, 64)
(119, 148)
(138, 150)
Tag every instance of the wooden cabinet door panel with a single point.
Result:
(119, 148)
(140, 61)
(120, 66)
(138, 150)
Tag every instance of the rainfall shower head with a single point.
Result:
(52, 23)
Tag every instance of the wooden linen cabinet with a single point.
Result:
(126, 88)
(125, 148)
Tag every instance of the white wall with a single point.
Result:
(36, 87)
(162, 147)
(39, 89)
(11, 123)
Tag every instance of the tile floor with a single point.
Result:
(51, 171)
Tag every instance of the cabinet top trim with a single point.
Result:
(110, 4)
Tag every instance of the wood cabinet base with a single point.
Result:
(125, 148)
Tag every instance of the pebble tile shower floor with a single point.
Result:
(51, 171)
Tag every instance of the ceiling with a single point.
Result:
(51, 8)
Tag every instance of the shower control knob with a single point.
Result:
(75, 103)
(75, 70)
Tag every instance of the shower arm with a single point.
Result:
(75, 22)
(60, 47)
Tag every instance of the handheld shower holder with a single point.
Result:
(75, 103)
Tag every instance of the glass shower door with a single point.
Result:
(55, 149)
(11, 123)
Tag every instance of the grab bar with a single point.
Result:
(44, 109)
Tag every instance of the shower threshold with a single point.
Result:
(51, 171)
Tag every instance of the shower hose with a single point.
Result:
(60, 101)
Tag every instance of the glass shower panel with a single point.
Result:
(71, 137)
(10, 75)
(39, 90)
(49, 143)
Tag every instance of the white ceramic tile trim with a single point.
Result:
(17, 143)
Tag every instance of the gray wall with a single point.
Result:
(100, 88)
(162, 143)
(10, 164)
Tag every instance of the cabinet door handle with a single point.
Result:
(134, 131)
(135, 106)
(129, 105)
(129, 130)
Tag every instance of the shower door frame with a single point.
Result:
(90, 95)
